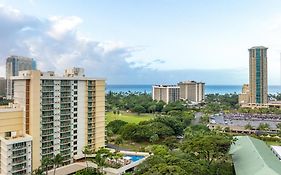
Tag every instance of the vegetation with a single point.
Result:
(48, 163)
(88, 171)
(201, 152)
(128, 117)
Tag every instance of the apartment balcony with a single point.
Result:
(48, 90)
(65, 100)
(64, 147)
(18, 167)
(19, 160)
(48, 145)
(47, 151)
(47, 84)
(66, 140)
(65, 129)
(19, 153)
(65, 118)
(48, 133)
(47, 120)
(66, 152)
(47, 109)
(65, 135)
(48, 102)
(47, 138)
(19, 146)
(65, 84)
(65, 95)
(47, 126)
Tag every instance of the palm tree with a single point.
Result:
(248, 126)
(46, 162)
(57, 161)
(87, 150)
(38, 171)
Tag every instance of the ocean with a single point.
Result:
(209, 89)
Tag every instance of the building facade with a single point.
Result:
(244, 97)
(2, 86)
(192, 91)
(14, 64)
(62, 113)
(258, 75)
(16, 146)
(166, 93)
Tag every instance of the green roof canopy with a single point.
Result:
(253, 157)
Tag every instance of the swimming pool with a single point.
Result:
(134, 158)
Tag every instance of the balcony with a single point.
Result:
(19, 153)
(19, 167)
(48, 145)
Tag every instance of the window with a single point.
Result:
(8, 134)
(75, 98)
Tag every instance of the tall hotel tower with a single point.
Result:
(258, 75)
(14, 64)
(62, 114)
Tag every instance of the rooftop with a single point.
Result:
(253, 157)
(258, 47)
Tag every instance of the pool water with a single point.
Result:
(134, 158)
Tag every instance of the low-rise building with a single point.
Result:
(253, 156)
(16, 146)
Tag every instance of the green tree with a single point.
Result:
(115, 125)
(248, 126)
(87, 151)
(139, 109)
(263, 126)
(46, 163)
(154, 138)
(58, 160)
(208, 146)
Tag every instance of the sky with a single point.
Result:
(144, 42)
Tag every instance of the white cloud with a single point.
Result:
(56, 44)
(60, 26)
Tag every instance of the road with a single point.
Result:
(197, 118)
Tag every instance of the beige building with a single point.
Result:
(192, 91)
(166, 93)
(244, 97)
(258, 85)
(16, 146)
(62, 113)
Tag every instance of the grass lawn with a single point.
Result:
(273, 143)
(127, 117)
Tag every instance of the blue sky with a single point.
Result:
(145, 42)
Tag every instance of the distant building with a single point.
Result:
(2, 86)
(14, 64)
(166, 93)
(16, 146)
(244, 97)
(62, 113)
(258, 75)
(192, 91)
